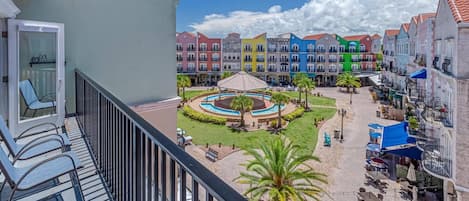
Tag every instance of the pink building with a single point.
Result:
(186, 54)
(209, 59)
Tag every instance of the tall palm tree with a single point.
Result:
(183, 81)
(308, 85)
(350, 81)
(297, 81)
(281, 172)
(279, 99)
(226, 74)
(243, 104)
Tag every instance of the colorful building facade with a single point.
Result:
(276, 60)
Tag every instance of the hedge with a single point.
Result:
(295, 114)
(273, 123)
(193, 114)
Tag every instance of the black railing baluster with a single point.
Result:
(163, 175)
(138, 163)
(172, 179)
(182, 183)
(195, 189)
(148, 162)
(155, 172)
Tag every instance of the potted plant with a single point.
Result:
(413, 124)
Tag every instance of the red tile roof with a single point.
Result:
(391, 32)
(356, 37)
(406, 26)
(315, 36)
(376, 36)
(460, 10)
(260, 35)
(425, 16)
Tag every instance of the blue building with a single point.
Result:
(299, 51)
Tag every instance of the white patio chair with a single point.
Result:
(35, 147)
(32, 101)
(26, 178)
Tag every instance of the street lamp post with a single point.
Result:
(342, 112)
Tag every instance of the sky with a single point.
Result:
(217, 18)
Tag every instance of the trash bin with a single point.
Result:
(336, 134)
(378, 114)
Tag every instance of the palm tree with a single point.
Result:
(281, 172)
(183, 81)
(308, 85)
(226, 74)
(243, 104)
(297, 81)
(279, 99)
(350, 81)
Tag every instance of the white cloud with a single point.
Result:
(333, 16)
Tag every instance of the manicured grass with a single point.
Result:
(300, 131)
(313, 100)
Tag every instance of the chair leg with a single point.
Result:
(79, 185)
(12, 194)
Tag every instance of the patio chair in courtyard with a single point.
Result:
(35, 147)
(32, 101)
(26, 178)
(327, 140)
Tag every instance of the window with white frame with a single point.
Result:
(203, 46)
(215, 47)
(295, 67)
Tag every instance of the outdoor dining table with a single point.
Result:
(367, 196)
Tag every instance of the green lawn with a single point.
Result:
(300, 131)
(313, 100)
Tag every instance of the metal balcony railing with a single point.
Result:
(136, 160)
(435, 163)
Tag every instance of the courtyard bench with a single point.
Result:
(211, 155)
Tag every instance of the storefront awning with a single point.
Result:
(8, 9)
(420, 74)
(395, 137)
(410, 152)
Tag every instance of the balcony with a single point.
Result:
(202, 69)
(310, 50)
(320, 50)
(135, 160)
(295, 70)
(191, 49)
(190, 58)
(203, 59)
(178, 58)
(437, 114)
(332, 60)
(215, 49)
(247, 59)
(355, 60)
(248, 69)
(272, 60)
(311, 70)
(363, 50)
(333, 50)
(341, 50)
(215, 59)
(203, 49)
(191, 70)
(247, 49)
(260, 59)
(216, 69)
(179, 70)
(178, 48)
(310, 59)
(284, 50)
(295, 50)
(270, 69)
(321, 60)
(435, 163)
(283, 59)
(320, 70)
(271, 50)
(260, 69)
(295, 60)
(333, 70)
(260, 50)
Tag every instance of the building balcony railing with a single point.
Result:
(136, 160)
(178, 58)
(190, 49)
(202, 49)
(332, 50)
(284, 50)
(215, 49)
(355, 60)
(295, 70)
(320, 70)
(247, 49)
(178, 48)
(321, 60)
(437, 114)
(260, 69)
(284, 70)
(436, 164)
(272, 60)
(363, 50)
(216, 69)
(333, 70)
(260, 50)
(310, 70)
(272, 69)
(191, 70)
(295, 60)
(310, 50)
(215, 59)
(179, 70)
(248, 69)
(202, 69)
(320, 50)
(332, 60)
(295, 50)
(283, 60)
(247, 59)
(260, 59)
(271, 50)
(190, 58)
(203, 59)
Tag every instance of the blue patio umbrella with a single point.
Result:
(373, 147)
(375, 126)
(375, 135)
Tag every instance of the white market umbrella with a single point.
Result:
(411, 173)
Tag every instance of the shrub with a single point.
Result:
(295, 114)
(193, 114)
(273, 123)
(413, 123)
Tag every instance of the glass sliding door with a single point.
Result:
(36, 72)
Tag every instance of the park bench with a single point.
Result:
(211, 155)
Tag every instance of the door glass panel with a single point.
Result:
(37, 74)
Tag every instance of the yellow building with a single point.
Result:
(253, 54)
